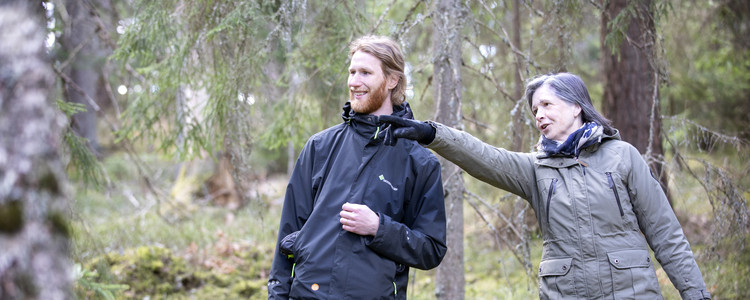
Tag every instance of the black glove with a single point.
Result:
(406, 128)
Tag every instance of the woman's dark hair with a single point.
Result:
(570, 88)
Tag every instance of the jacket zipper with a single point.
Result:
(614, 190)
(549, 196)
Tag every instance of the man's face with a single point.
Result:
(368, 91)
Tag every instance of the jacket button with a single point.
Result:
(540, 270)
(617, 261)
(565, 267)
(648, 259)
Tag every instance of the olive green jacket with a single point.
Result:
(598, 215)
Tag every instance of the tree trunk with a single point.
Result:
(81, 41)
(34, 233)
(519, 126)
(630, 83)
(448, 21)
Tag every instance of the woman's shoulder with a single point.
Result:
(617, 146)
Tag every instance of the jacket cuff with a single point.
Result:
(432, 138)
(380, 234)
(693, 294)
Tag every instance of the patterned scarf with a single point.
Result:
(589, 134)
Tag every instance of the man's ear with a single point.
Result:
(392, 81)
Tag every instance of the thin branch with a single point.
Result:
(494, 230)
(403, 29)
(528, 5)
(498, 213)
(382, 16)
(75, 51)
(505, 37)
(478, 123)
(110, 93)
(652, 116)
(69, 81)
(492, 79)
(506, 41)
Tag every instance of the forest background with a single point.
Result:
(146, 145)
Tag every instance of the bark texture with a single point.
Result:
(630, 83)
(87, 54)
(34, 260)
(448, 22)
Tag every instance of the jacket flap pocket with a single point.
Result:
(555, 266)
(629, 259)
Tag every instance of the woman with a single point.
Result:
(596, 202)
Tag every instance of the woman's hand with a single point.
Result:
(406, 128)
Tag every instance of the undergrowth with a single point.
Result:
(136, 240)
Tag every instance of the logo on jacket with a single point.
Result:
(382, 178)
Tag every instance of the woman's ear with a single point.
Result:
(577, 110)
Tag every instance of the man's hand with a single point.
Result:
(359, 219)
(407, 128)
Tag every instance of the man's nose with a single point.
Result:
(354, 80)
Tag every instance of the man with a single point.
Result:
(357, 213)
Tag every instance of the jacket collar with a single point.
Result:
(369, 126)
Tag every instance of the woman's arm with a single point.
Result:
(507, 170)
(663, 232)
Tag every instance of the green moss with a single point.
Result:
(11, 217)
(49, 182)
(147, 270)
(247, 288)
(59, 224)
(158, 273)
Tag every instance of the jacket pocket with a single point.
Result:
(614, 190)
(554, 281)
(633, 275)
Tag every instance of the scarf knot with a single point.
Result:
(589, 134)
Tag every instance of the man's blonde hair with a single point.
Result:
(391, 60)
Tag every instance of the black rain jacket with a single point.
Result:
(349, 163)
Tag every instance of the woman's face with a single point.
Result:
(555, 118)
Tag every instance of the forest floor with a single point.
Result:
(159, 237)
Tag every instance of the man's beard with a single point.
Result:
(373, 102)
